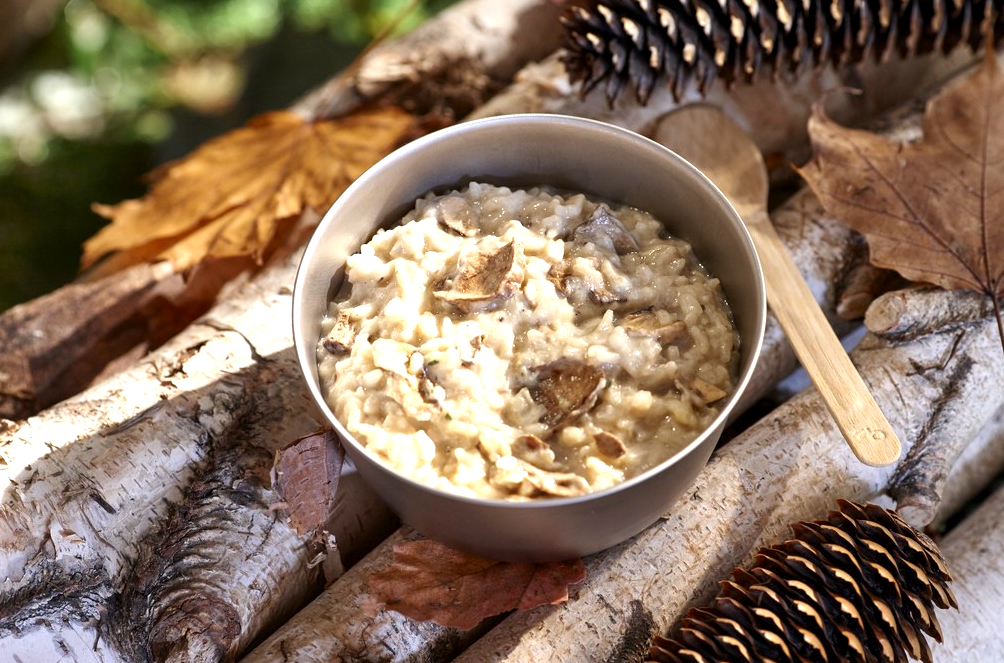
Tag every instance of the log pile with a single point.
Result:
(138, 520)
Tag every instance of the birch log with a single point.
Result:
(115, 498)
(453, 62)
(975, 554)
(918, 482)
(978, 466)
(903, 315)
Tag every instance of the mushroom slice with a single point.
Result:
(339, 339)
(558, 484)
(647, 322)
(458, 215)
(706, 391)
(605, 297)
(427, 388)
(609, 444)
(533, 450)
(574, 286)
(566, 388)
(604, 229)
(486, 279)
(415, 394)
(557, 275)
(475, 345)
(521, 478)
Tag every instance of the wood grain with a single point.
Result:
(858, 417)
(724, 152)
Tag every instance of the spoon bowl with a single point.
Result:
(719, 147)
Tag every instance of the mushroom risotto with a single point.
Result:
(516, 344)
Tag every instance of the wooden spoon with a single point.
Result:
(721, 150)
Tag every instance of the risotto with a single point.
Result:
(513, 344)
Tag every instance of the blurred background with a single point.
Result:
(95, 93)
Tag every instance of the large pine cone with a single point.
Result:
(859, 586)
(638, 42)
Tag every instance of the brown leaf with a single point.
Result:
(305, 474)
(932, 211)
(429, 581)
(233, 194)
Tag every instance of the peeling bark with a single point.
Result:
(202, 595)
(52, 346)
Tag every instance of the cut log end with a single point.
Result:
(196, 629)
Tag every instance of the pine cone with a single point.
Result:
(637, 42)
(858, 586)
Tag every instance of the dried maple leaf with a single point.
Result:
(305, 473)
(429, 581)
(231, 196)
(932, 211)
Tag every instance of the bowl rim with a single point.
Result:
(306, 348)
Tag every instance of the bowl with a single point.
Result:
(574, 154)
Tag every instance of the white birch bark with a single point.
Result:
(977, 467)
(118, 493)
(975, 554)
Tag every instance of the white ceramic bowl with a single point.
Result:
(574, 154)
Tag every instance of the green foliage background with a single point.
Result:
(118, 86)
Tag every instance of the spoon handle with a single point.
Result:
(858, 416)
